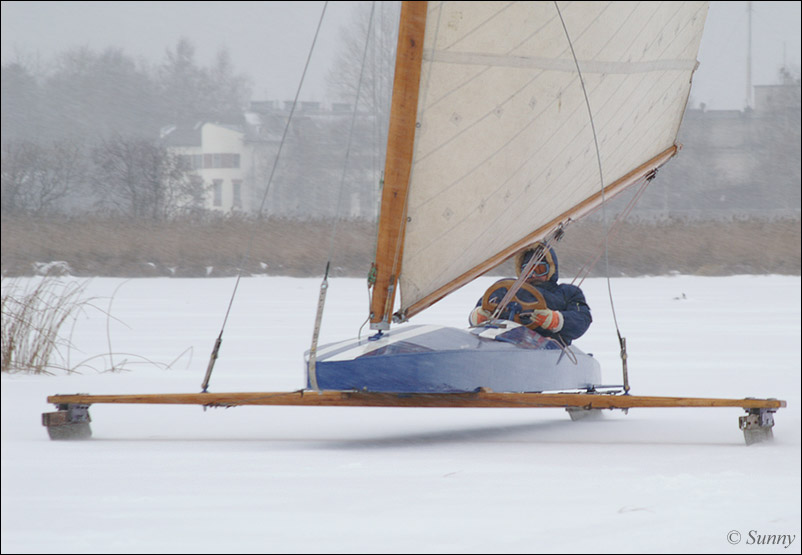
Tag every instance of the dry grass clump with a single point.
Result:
(34, 318)
(38, 318)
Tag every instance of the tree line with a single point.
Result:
(126, 176)
(82, 133)
(83, 93)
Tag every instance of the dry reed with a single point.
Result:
(34, 318)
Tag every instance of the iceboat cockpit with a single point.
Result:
(502, 357)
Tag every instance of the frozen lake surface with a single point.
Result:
(302, 479)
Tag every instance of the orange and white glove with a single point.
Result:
(549, 320)
(479, 316)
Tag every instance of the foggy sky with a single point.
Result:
(270, 41)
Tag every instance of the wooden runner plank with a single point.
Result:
(486, 399)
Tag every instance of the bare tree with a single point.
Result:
(37, 179)
(99, 94)
(16, 174)
(191, 92)
(381, 32)
(228, 91)
(21, 113)
(362, 79)
(141, 179)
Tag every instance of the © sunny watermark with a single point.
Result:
(753, 537)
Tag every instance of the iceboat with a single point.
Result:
(508, 122)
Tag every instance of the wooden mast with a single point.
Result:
(576, 212)
(400, 142)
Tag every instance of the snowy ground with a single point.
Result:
(293, 479)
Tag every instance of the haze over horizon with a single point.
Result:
(269, 41)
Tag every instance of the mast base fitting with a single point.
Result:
(69, 422)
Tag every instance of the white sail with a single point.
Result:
(504, 143)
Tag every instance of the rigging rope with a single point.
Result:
(246, 257)
(377, 158)
(325, 283)
(621, 340)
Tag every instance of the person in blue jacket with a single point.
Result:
(568, 314)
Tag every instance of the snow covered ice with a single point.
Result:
(306, 479)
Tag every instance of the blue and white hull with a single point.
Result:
(437, 359)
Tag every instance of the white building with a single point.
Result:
(235, 162)
(217, 153)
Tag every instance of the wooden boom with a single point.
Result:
(487, 399)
